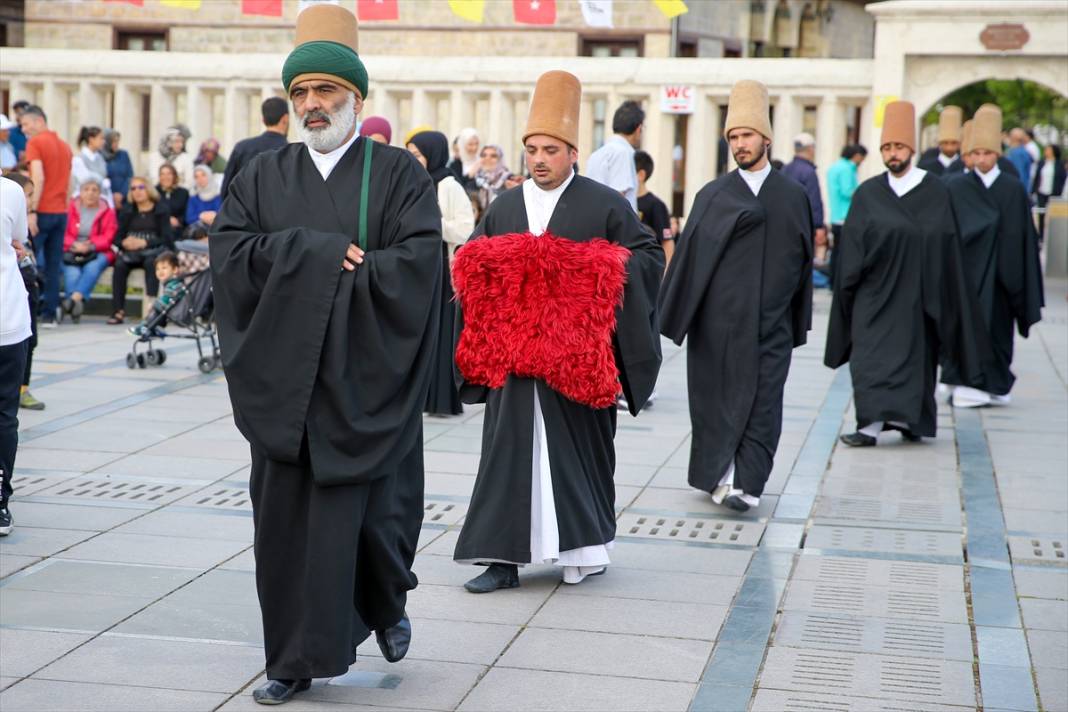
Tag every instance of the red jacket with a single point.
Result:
(102, 234)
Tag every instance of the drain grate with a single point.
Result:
(846, 633)
(128, 491)
(690, 529)
(892, 678)
(28, 484)
(1044, 549)
(231, 498)
(892, 541)
(830, 596)
(437, 511)
(882, 573)
(782, 701)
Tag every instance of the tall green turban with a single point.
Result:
(322, 59)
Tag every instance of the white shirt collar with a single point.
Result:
(989, 178)
(540, 203)
(945, 160)
(326, 162)
(907, 182)
(755, 179)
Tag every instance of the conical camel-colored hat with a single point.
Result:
(949, 124)
(326, 47)
(899, 124)
(986, 128)
(554, 108)
(966, 138)
(748, 108)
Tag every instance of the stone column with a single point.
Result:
(162, 116)
(830, 138)
(658, 139)
(421, 109)
(90, 105)
(786, 125)
(198, 112)
(235, 120)
(57, 106)
(495, 125)
(702, 143)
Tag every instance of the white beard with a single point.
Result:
(330, 137)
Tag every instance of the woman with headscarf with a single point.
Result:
(209, 156)
(492, 174)
(377, 129)
(431, 149)
(120, 168)
(465, 165)
(204, 200)
(172, 149)
(89, 163)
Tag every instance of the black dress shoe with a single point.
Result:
(858, 439)
(736, 503)
(495, 576)
(906, 434)
(394, 641)
(275, 692)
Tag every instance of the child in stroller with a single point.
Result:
(173, 290)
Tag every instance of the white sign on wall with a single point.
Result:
(677, 98)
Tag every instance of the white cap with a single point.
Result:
(6, 123)
(804, 140)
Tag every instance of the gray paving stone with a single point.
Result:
(695, 502)
(423, 684)
(49, 610)
(1007, 687)
(179, 522)
(894, 541)
(458, 641)
(878, 572)
(70, 516)
(861, 675)
(631, 656)
(1002, 647)
(219, 586)
(1040, 549)
(243, 702)
(831, 631)
(1048, 648)
(830, 700)
(101, 579)
(10, 563)
(513, 606)
(25, 651)
(830, 596)
(34, 541)
(675, 557)
(119, 490)
(1031, 521)
(1043, 614)
(459, 463)
(204, 621)
(33, 454)
(627, 615)
(52, 695)
(854, 511)
(664, 586)
(166, 551)
(690, 529)
(1052, 688)
(508, 689)
(178, 466)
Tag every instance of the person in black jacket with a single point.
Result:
(1049, 182)
(276, 118)
(174, 198)
(144, 232)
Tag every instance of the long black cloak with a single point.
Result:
(930, 163)
(740, 288)
(901, 295)
(579, 438)
(1000, 248)
(327, 372)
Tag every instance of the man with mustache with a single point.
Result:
(900, 293)
(326, 257)
(544, 491)
(740, 287)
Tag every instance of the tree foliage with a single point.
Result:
(1023, 103)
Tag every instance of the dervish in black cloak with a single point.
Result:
(901, 295)
(544, 490)
(328, 370)
(739, 290)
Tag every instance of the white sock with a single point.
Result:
(872, 429)
(577, 574)
(965, 397)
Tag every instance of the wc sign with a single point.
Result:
(677, 99)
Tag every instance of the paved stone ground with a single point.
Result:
(919, 577)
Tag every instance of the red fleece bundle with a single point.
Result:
(541, 307)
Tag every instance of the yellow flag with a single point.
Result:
(470, 10)
(671, 8)
(182, 4)
(880, 107)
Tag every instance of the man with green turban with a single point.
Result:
(326, 261)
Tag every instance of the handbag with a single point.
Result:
(138, 257)
(80, 259)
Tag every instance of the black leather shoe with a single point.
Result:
(858, 439)
(495, 576)
(906, 434)
(276, 692)
(736, 503)
(394, 641)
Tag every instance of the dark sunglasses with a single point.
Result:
(139, 186)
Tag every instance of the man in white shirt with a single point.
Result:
(14, 334)
(613, 163)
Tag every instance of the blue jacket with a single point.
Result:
(120, 171)
(1020, 158)
(803, 171)
(196, 206)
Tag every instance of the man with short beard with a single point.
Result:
(557, 290)
(900, 293)
(740, 287)
(326, 258)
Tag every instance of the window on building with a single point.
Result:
(141, 40)
(598, 47)
(146, 123)
(810, 119)
(599, 113)
(687, 48)
(852, 125)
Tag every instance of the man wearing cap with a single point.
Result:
(946, 157)
(740, 288)
(544, 491)
(901, 294)
(326, 257)
(1000, 248)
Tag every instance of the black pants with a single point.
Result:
(35, 298)
(332, 563)
(12, 366)
(1043, 201)
(120, 273)
(836, 241)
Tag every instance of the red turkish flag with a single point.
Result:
(535, 12)
(376, 9)
(270, 8)
(138, 3)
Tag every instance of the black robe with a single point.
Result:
(1004, 164)
(443, 398)
(327, 371)
(1000, 248)
(740, 288)
(580, 439)
(930, 163)
(901, 295)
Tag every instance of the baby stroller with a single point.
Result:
(193, 313)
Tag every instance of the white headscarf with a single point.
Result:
(467, 158)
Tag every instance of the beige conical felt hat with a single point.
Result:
(328, 23)
(966, 137)
(748, 108)
(986, 128)
(899, 124)
(949, 124)
(554, 107)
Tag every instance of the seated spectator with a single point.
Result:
(91, 226)
(377, 129)
(205, 201)
(465, 162)
(174, 198)
(89, 162)
(172, 150)
(120, 168)
(143, 234)
(209, 156)
(166, 269)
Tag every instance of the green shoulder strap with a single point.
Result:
(365, 189)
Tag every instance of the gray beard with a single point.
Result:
(331, 137)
